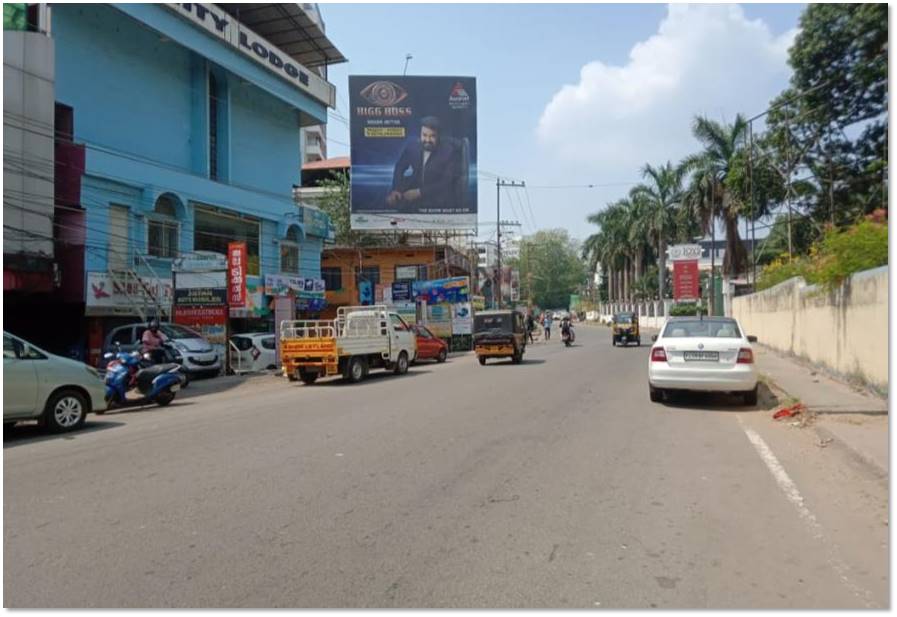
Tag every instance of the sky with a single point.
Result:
(571, 95)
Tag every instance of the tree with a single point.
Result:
(550, 267)
(335, 202)
(659, 200)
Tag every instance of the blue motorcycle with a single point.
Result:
(157, 383)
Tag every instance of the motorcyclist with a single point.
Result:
(567, 328)
(152, 342)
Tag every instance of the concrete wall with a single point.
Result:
(845, 330)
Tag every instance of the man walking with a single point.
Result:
(547, 324)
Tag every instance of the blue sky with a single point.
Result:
(573, 94)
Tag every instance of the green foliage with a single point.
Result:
(686, 309)
(550, 267)
(834, 258)
(335, 202)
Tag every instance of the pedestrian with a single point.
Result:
(547, 324)
(530, 326)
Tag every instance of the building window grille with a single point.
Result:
(162, 232)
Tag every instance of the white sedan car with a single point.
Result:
(710, 354)
(56, 391)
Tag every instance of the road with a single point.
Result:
(555, 483)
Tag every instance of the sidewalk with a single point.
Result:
(855, 422)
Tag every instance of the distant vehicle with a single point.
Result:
(709, 354)
(429, 346)
(257, 351)
(199, 357)
(56, 391)
(359, 339)
(499, 334)
(625, 329)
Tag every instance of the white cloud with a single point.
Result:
(704, 59)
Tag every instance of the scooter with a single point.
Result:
(158, 383)
(568, 336)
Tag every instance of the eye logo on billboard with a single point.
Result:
(459, 99)
(384, 94)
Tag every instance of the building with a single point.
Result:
(189, 116)
(343, 268)
(314, 138)
(313, 173)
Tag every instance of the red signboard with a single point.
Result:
(198, 316)
(236, 274)
(686, 281)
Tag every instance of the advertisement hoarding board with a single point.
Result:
(413, 152)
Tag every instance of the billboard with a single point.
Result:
(413, 152)
(686, 278)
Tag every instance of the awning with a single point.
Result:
(295, 30)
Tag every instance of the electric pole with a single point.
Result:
(498, 184)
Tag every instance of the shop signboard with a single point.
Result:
(104, 296)
(462, 318)
(236, 270)
(402, 291)
(200, 296)
(317, 223)
(280, 285)
(200, 261)
(394, 121)
(209, 321)
(452, 290)
(686, 279)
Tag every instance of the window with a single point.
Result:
(397, 324)
(162, 229)
(242, 343)
(213, 127)
(125, 336)
(333, 278)
(213, 230)
(411, 273)
(10, 347)
(368, 273)
(269, 343)
(289, 252)
(719, 328)
(178, 332)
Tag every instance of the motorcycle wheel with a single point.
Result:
(164, 398)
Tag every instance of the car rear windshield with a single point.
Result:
(492, 322)
(697, 328)
(623, 319)
(178, 332)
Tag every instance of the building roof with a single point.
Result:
(339, 162)
(296, 29)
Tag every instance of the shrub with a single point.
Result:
(686, 309)
(780, 270)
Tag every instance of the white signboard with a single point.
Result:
(680, 252)
(220, 24)
(462, 318)
(200, 261)
(104, 295)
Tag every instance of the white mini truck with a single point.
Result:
(361, 338)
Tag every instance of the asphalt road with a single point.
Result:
(555, 483)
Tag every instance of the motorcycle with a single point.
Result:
(157, 383)
(568, 335)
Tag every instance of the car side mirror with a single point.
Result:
(752, 338)
(653, 337)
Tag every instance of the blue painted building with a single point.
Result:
(190, 118)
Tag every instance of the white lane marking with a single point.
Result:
(793, 494)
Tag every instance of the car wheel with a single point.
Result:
(402, 364)
(750, 397)
(355, 369)
(65, 411)
(482, 360)
(442, 356)
(656, 394)
(613, 342)
(294, 376)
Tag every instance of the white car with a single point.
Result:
(56, 391)
(710, 354)
(257, 351)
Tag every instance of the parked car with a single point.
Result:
(257, 351)
(56, 391)
(429, 346)
(710, 354)
(199, 357)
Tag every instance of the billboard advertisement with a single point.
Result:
(686, 278)
(413, 152)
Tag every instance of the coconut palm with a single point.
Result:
(659, 199)
(710, 198)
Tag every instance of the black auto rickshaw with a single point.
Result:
(499, 334)
(625, 329)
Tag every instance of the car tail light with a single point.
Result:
(745, 356)
(658, 355)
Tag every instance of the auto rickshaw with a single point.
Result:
(625, 329)
(499, 334)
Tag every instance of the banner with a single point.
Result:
(236, 269)
(284, 284)
(451, 290)
(462, 318)
(413, 152)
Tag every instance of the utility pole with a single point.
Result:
(498, 184)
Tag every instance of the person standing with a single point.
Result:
(547, 324)
(530, 326)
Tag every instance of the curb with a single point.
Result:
(822, 411)
(853, 453)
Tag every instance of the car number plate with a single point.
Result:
(701, 356)
(175, 387)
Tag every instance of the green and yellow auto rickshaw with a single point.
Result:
(625, 329)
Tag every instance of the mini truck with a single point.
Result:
(359, 339)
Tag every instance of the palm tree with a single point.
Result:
(709, 196)
(659, 199)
